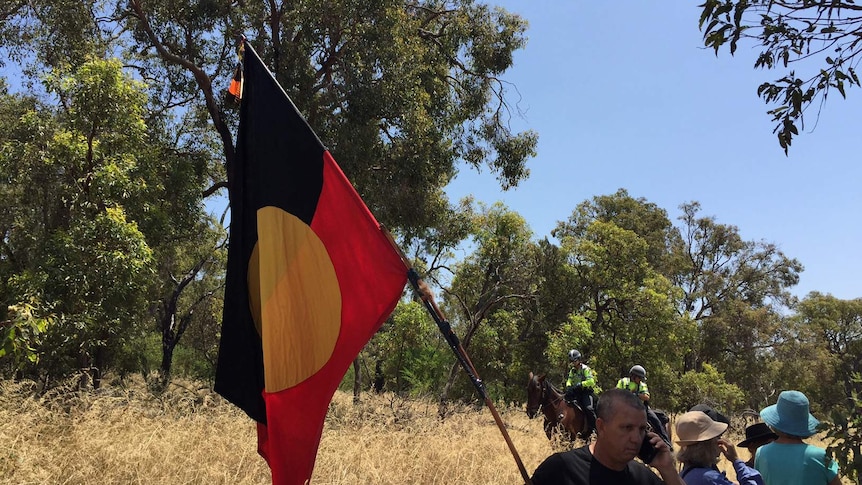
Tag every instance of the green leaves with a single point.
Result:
(796, 32)
(845, 445)
(617, 247)
(410, 351)
(720, 28)
(402, 93)
(21, 333)
(70, 184)
(708, 386)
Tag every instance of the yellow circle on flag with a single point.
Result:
(295, 298)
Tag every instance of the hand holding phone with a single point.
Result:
(648, 451)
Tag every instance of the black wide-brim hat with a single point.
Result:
(712, 413)
(756, 432)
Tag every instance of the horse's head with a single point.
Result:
(542, 395)
(535, 394)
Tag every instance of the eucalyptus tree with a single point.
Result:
(23, 321)
(409, 353)
(187, 242)
(707, 386)
(836, 326)
(628, 308)
(816, 43)
(401, 92)
(820, 355)
(623, 251)
(147, 178)
(720, 271)
(743, 340)
(40, 34)
(490, 288)
(650, 228)
(558, 295)
(181, 163)
(71, 246)
(398, 350)
(646, 219)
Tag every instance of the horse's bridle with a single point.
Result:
(544, 400)
(545, 393)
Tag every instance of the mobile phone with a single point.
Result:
(647, 452)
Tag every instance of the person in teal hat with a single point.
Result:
(789, 460)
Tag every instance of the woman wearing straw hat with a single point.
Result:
(788, 460)
(700, 440)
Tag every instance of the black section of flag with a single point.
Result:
(279, 162)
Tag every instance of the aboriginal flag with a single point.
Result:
(310, 277)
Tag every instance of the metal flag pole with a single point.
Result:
(424, 292)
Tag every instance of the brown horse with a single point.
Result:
(559, 416)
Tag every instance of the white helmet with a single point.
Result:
(574, 355)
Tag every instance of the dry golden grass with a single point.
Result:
(190, 435)
(124, 437)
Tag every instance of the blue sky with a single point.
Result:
(627, 97)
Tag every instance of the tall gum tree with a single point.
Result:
(491, 284)
(719, 268)
(70, 172)
(622, 251)
(401, 92)
(836, 326)
(644, 218)
(627, 304)
(181, 155)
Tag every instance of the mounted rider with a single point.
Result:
(581, 389)
(636, 384)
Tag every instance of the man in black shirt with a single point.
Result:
(621, 427)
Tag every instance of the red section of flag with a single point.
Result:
(371, 276)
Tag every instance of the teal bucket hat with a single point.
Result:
(790, 415)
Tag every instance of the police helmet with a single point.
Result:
(574, 355)
(638, 371)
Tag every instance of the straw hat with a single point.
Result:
(790, 415)
(695, 426)
(756, 432)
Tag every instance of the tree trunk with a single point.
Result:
(167, 361)
(84, 364)
(443, 408)
(379, 379)
(96, 368)
(357, 380)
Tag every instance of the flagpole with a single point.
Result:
(427, 297)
